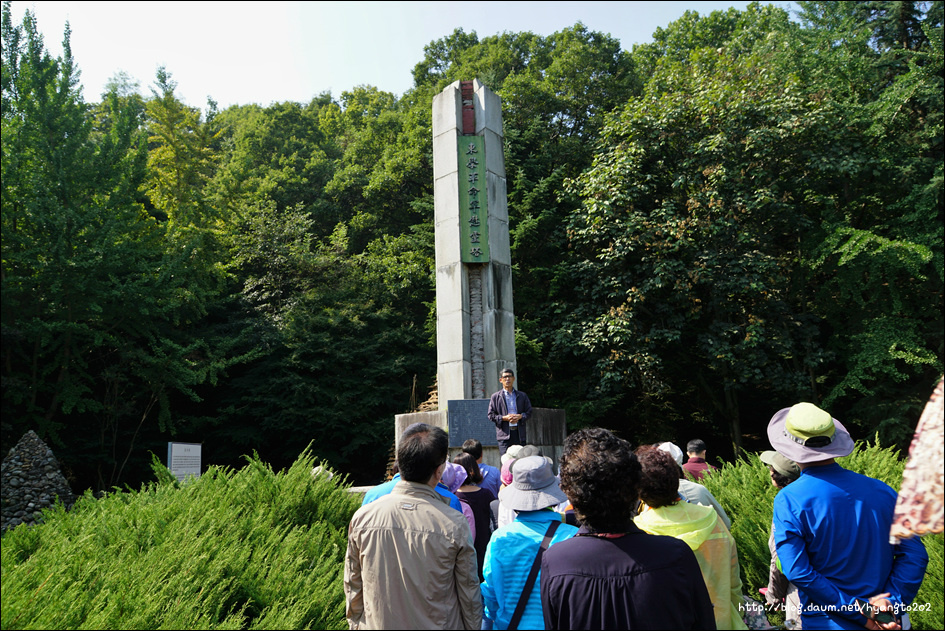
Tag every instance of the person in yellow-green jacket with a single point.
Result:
(663, 512)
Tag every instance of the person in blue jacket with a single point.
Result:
(381, 490)
(533, 495)
(831, 530)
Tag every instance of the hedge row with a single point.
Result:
(231, 550)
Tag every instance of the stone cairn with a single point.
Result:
(31, 481)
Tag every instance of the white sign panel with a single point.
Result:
(183, 459)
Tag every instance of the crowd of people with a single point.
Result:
(620, 538)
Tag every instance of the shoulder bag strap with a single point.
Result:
(532, 576)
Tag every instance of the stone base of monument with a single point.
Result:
(464, 419)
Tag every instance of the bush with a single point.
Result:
(230, 550)
(745, 491)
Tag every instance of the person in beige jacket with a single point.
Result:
(410, 562)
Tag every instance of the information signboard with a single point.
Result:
(184, 459)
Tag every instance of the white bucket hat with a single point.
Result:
(672, 450)
(515, 452)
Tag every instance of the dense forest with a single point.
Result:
(742, 214)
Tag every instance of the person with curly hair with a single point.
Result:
(665, 513)
(612, 575)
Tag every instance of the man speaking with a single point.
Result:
(508, 410)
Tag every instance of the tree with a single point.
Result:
(685, 241)
(879, 267)
(279, 153)
(180, 160)
(736, 32)
(440, 55)
(337, 353)
(49, 209)
(384, 170)
(94, 294)
(750, 233)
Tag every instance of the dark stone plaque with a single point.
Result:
(468, 419)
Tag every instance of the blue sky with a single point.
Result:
(251, 52)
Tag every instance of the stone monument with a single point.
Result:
(475, 321)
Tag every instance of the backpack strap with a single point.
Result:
(532, 576)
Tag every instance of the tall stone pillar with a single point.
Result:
(475, 322)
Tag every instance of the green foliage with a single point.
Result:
(684, 238)
(744, 490)
(333, 324)
(96, 292)
(240, 549)
(751, 229)
(385, 166)
(280, 154)
(879, 265)
(271, 252)
(179, 163)
(932, 587)
(260, 549)
(745, 213)
(736, 32)
(441, 54)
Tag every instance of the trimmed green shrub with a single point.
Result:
(231, 550)
(745, 491)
